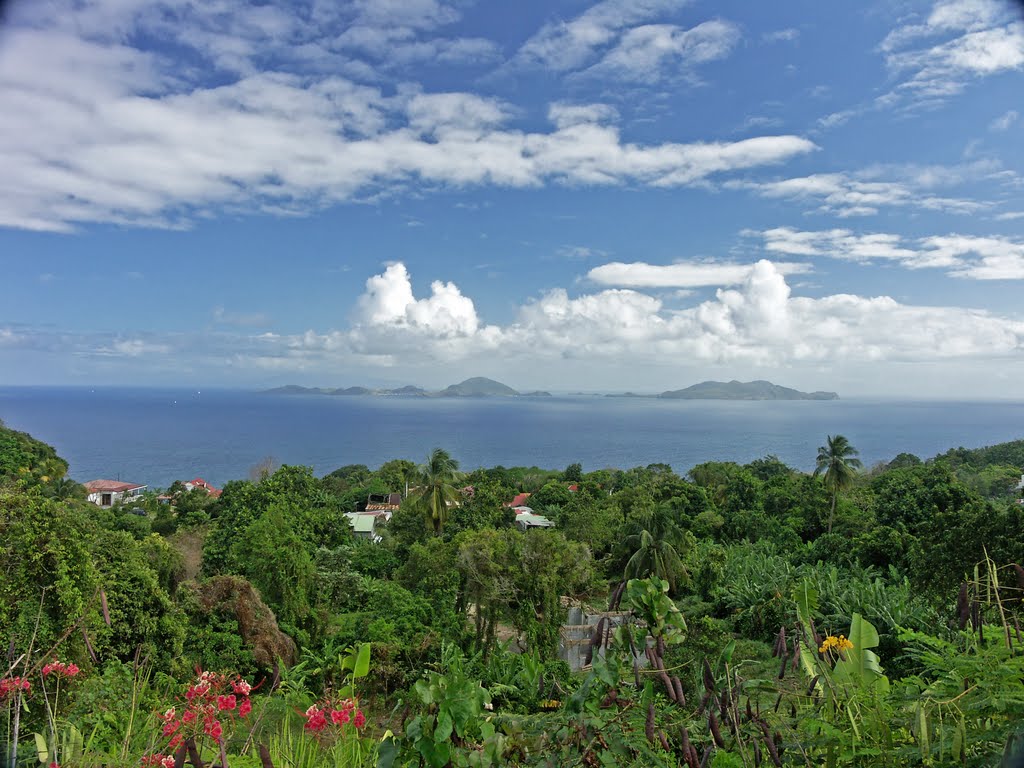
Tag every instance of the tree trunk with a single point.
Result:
(15, 727)
(832, 512)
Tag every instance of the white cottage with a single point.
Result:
(107, 493)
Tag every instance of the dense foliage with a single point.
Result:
(752, 614)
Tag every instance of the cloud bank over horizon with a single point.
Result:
(756, 324)
(608, 194)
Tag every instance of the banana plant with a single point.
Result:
(69, 746)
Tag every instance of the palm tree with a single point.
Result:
(658, 546)
(437, 492)
(65, 488)
(836, 459)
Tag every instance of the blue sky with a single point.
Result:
(627, 194)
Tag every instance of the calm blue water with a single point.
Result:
(157, 436)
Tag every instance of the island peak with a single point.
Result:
(744, 390)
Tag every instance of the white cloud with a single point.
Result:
(976, 258)
(994, 258)
(647, 53)
(567, 115)
(862, 194)
(228, 317)
(99, 131)
(960, 41)
(1004, 122)
(569, 45)
(389, 303)
(131, 348)
(788, 35)
(758, 323)
(680, 275)
(580, 252)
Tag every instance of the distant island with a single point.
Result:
(743, 390)
(478, 386)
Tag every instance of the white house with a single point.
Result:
(526, 518)
(364, 524)
(107, 493)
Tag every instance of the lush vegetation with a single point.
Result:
(752, 614)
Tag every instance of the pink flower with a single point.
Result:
(167, 762)
(71, 670)
(213, 729)
(175, 741)
(9, 685)
(316, 720)
(188, 717)
(339, 716)
(170, 727)
(359, 720)
(198, 690)
(244, 708)
(226, 702)
(241, 687)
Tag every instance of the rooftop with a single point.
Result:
(110, 486)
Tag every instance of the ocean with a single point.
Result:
(156, 436)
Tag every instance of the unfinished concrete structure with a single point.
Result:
(577, 634)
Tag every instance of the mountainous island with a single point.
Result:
(743, 390)
(478, 386)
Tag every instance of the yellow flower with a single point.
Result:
(839, 643)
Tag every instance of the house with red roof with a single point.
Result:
(191, 485)
(198, 482)
(107, 493)
(519, 500)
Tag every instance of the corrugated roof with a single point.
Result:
(110, 486)
(362, 523)
(533, 521)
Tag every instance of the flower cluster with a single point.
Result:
(320, 714)
(208, 704)
(159, 761)
(10, 685)
(60, 669)
(839, 643)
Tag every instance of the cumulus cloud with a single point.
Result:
(680, 275)
(757, 322)
(971, 257)
(389, 303)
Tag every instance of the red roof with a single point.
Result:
(110, 486)
(519, 500)
(198, 482)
